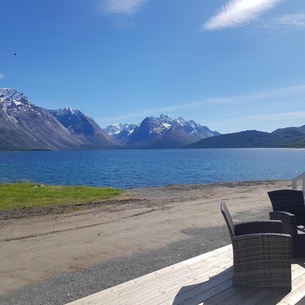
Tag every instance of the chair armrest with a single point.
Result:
(262, 226)
(289, 222)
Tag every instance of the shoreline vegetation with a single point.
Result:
(20, 196)
(29, 199)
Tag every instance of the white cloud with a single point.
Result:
(272, 104)
(238, 12)
(2, 75)
(285, 94)
(262, 110)
(123, 7)
(292, 21)
(266, 122)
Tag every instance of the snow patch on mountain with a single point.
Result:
(120, 131)
(11, 96)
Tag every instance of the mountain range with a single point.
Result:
(25, 126)
(161, 132)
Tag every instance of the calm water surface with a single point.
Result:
(148, 168)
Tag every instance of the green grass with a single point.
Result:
(15, 196)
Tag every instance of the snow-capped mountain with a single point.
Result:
(162, 132)
(84, 127)
(120, 132)
(10, 95)
(24, 126)
(74, 120)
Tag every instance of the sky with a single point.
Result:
(230, 65)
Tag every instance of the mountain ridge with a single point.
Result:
(160, 132)
(289, 137)
(25, 126)
(85, 128)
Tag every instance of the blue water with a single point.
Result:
(148, 168)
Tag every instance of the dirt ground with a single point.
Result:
(38, 244)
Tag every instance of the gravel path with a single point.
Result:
(71, 286)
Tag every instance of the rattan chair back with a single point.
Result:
(291, 201)
(228, 219)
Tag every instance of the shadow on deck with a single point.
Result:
(204, 279)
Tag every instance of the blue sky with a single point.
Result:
(229, 65)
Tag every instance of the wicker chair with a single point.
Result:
(288, 206)
(291, 201)
(261, 253)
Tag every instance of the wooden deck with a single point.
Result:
(205, 279)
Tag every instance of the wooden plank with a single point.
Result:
(274, 298)
(201, 293)
(231, 296)
(205, 279)
(188, 294)
(144, 291)
(295, 296)
(156, 284)
(298, 281)
(260, 295)
(302, 301)
(185, 267)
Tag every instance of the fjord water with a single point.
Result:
(148, 168)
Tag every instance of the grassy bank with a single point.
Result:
(16, 196)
